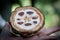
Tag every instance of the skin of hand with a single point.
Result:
(43, 34)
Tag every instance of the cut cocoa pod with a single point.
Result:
(27, 24)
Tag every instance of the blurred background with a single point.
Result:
(49, 8)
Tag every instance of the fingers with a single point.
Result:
(52, 30)
(5, 31)
(47, 38)
(43, 38)
(49, 31)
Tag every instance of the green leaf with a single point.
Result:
(25, 2)
(14, 6)
(51, 18)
